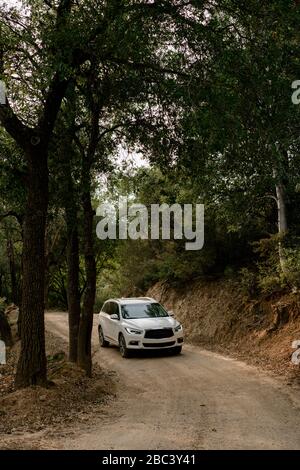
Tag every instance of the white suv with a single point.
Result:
(138, 323)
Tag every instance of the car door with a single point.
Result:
(114, 327)
(105, 319)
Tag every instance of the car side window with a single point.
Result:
(105, 307)
(114, 309)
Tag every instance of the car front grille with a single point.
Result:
(159, 345)
(159, 333)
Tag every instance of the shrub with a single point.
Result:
(272, 277)
(248, 282)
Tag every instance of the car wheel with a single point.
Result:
(177, 350)
(124, 351)
(102, 341)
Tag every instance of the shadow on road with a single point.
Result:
(142, 353)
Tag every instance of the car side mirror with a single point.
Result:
(114, 316)
(171, 313)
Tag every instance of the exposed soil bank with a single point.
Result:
(218, 317)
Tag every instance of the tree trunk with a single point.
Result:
(31, 369)
(71, 209)
(46, 288)
(282, 224)
(73, 280)
(12, 270)
(86, 321)
(87, 313)
(20, 288)
(47, 270)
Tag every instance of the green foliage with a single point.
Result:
(270, 277)
(139, 264)
(248, 283)
(203, 92)
(292, 265)
(266, 276)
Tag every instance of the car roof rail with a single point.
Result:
(120, 299)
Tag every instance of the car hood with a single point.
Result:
(152, 323)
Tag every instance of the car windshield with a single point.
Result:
(143, 310)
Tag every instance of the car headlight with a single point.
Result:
(178, 327)
(132, 331)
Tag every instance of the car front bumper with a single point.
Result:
(138, 342)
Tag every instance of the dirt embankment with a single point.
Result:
(29, 417)
(216, 316)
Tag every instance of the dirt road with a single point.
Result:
(199, 400)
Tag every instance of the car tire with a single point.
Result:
(124, 351)
(102, 341)
(177, 350)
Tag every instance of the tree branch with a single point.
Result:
(147, 66)
(54, 98)
(15, 128)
